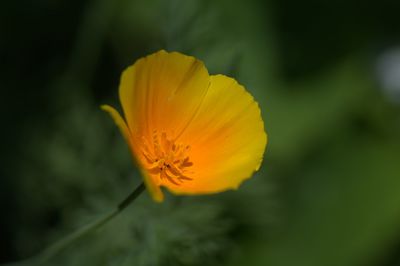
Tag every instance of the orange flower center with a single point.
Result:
(167, 159)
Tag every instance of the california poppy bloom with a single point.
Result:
(188, 131)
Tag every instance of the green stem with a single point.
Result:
(65, 242)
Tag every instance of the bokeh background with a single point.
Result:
(326, 75)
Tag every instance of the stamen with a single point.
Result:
(167, 159)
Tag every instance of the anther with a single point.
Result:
(167, 159)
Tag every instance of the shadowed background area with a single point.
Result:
(326, 76)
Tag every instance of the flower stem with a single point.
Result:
(65, 242)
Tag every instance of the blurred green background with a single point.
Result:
(326, 75)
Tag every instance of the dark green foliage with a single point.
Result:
(328, 192)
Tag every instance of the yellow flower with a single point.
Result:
(188, 131)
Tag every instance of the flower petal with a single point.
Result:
(227, 139)
(119, 121)
(159, 93)
(152, 186)
(162, 91)
(154, 189)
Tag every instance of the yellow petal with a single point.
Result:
(119, 121)
(227, 139)
(162, 91)
(152, 186)
(154, 189)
